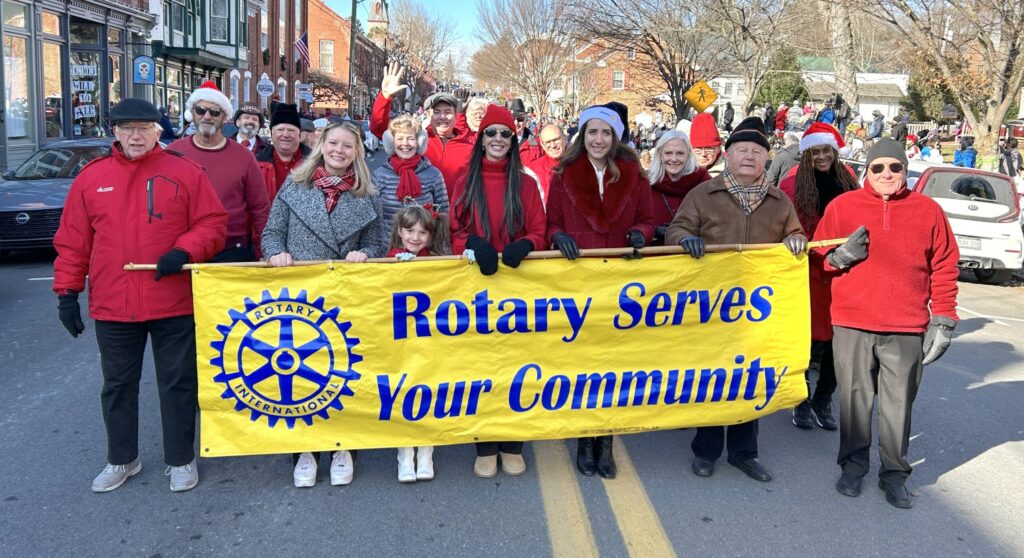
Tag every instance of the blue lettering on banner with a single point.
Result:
(728, 306)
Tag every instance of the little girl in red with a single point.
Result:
(418, 230)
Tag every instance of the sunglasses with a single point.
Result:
(491, 132)
(894, 168)
(201, 111)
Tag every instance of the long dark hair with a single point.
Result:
(472, 203)
(806, 194)
(617, 152)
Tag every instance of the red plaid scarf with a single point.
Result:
(332, 186)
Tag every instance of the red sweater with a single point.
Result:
(576, 208)
(543, 169)
(451, 157)
(668, 194)
(495, 175)
(912, 256)
(239, 184)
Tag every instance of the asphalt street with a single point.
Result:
(967, 450)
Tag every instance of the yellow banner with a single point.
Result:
(430, 353)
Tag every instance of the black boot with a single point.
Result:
(605, 459)
(585, 456)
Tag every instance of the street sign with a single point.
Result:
(265, 87)
(305, 92)
(701, 96)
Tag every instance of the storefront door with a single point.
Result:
(17, 119)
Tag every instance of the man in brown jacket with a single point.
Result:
(738, 206)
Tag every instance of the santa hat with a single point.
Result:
(820, 133)
(207, 92)
(704, 132)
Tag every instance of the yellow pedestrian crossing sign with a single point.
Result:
(701, 96)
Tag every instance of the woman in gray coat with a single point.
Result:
(327, 209)
(407, 177)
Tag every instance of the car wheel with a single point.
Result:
(993, 276)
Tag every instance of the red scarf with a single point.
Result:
(332, 186)
(408, 183)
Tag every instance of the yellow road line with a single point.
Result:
(568, 523)
(638, 522)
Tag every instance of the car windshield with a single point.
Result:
(59, 162)
(970, 187)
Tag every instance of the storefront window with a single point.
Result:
(15, 15)
(173, 76)
(114, 37)
(173, 104)
(84, 33)
(16, 91)
(114, 94)
(50, 23)
(53, 90)
(85, 93)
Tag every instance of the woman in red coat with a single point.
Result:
(599, 198)
(819, 178)
(496, 206)
(674, 172)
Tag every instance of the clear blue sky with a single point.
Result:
(463, 11)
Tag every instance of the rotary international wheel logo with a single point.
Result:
(285, 358)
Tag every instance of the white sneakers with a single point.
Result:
(342, 468)
(183, 478)
(304, 475)
(113, 476)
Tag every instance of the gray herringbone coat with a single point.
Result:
(300, 225)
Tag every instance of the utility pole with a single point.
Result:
(351, 55)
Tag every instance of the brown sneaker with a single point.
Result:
(512, 464)
(486, 466)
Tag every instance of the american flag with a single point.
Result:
(302, 45)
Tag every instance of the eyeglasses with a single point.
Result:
(894, 168)
(201, 111)
(705, 150)
(491, 132)
(130, 131)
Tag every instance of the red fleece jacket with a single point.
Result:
(911, 264)
(495, 175)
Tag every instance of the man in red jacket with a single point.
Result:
(892, 312)
(552, 141)
(448, 148)
(139, 204)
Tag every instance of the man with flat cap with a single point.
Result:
(139, 204)
(448, 148)
(739, 206)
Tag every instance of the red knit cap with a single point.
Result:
(497, 115)
(703, 132)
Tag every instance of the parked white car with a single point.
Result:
(983, 209)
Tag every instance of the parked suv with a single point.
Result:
(983, 210)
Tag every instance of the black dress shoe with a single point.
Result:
(605, 459)
(823, 415)
(802, 416)
(585, 463)
(848, 485)
(702, 467)
(752, 467)
(896, 494)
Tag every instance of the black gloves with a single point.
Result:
(854, 250)
(659, 235)
(514, 253)
(486, 255)
(635, 239)
(70, 313)
(694, 245)
(937, 338)
(170, 263)
(796, 243)
(566, 245)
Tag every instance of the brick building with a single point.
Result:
(273, 29)
(329, 36)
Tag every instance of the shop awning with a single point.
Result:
(198, 56)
